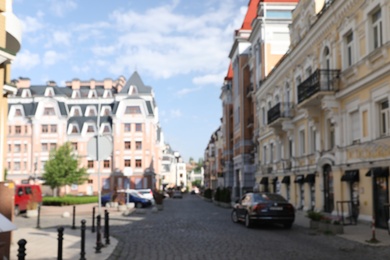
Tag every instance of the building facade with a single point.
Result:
(43, 117)
(324, 139)
(10, 43)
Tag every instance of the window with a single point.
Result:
(290, 148)
(49, 111)
(138, 145)
(18, 129)
(25, 129)
(331, 141)
(76, 111)
(132, 110)
(90, 181)
(264, 154)
(53, 128)
(313, 144)
(138, 127)
(18, 112)
(25, 148)
(127, 163)
(127, 127)
(53, 146)
(106, 164)
(106, 129)
(127, 145)
(90, 164)
(10, 130)
(44, 147)
(9, 148)
(384, 117)
(90, 129)
(138, 163)
(355, 126)
(264, 119)
(91, 112)
(17, 166)
(377, 32)
(349, 49)
(76, 94)
(302, 143)
(74, 129)
(106, 111)
(44, 128)
(17, 148)
(75, 146)
(43, 163)
(271, 153)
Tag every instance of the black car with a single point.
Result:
(263, 207)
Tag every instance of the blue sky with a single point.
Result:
(179, 47)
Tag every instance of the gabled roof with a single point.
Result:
(250, 14)
(229, 75)
(135, 80)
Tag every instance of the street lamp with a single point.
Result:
(177, 156)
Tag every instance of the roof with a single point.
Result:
(250, 14)
(135, 80)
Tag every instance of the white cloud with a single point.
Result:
(62, 38)
(213, 79)
(175, 113)
(59, 8)
(31, 24)
(186, 91)
(81, 69)
(25, 60)
(52, 57)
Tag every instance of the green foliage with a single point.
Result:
(196, 183)
(217, 195)
(222, 195)
(63, 168)
(68, 200)
(315, 216)
(208, 193)
(199, 165)
(5, 174)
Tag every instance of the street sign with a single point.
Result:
(105, 148)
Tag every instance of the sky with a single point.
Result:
(179, 47)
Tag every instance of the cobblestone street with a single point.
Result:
(191, 228)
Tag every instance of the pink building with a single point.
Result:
(43, 117)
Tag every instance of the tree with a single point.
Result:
(62, 168)
(199, 165)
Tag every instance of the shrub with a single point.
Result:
(208, 193)
(217, 195)
(225, 196)
(68, 200)
(315, 216)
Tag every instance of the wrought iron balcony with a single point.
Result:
(282, 110)
(320, 82)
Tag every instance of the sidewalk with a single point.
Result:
(42, 243)
(361, 232)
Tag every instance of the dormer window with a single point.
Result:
(49, 92)
(91, 111)
(92, 93)
(76, 93)
(133, 90)
(49, 111)
(107, 93)
(132, 110)
(26, 93)
(73, 129)
(106, 111)
(75, 111)
(106, 128)
(18, 112)
(90, 129)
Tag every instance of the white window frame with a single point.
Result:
(49, 92)
(302, 142)
(349, 49)
(89, 108)
(355, 126)
(73, 110)
(384, 118)
(76, 93)
(71, 125)
(376, 26)
(92, 93)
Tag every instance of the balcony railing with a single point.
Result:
(320, 80)
(280, 110)
(249, 89)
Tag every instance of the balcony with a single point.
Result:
(13, 28)
(318, 85)
(279, 113)
(249, 90)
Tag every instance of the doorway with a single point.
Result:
(328, 189)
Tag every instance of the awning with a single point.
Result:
(264, 181)
(286, 180)
(379, 172)
(299, 179)
(351, 176)
(310, 178)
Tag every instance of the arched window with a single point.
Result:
(326, 58)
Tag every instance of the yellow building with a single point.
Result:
(325, 136)
(10, 40)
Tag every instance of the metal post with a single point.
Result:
(106, 227)
(82, 253)
(98, 159)
(39, 216)
(60, 239)
(373, 238)
(99, 244)
(22, 249)
(74, 217)
(93, 220)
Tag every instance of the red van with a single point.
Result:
(27, 195)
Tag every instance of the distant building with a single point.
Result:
(43, 117)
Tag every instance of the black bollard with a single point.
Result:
(22, 249)
(39, 216)
(93, 220)
(74, 217)
(60, 239)
(99, 244)
(106, 227)
(82, 253)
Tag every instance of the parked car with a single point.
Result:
(148, 194)
(27, 196)
(263, 207)
(177, 194)
(126, 196)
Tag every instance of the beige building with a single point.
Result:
(10, 43)
(324, 139)
(43, 117)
